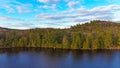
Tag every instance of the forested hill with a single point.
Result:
(97, 26)
(92, 35)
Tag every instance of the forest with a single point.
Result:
(90, 35)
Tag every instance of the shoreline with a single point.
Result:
(61, 48)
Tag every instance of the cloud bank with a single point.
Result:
(56, 13)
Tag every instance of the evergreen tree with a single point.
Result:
(65, 42)
(118, 42)
(76, 40)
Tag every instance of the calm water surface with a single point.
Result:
(51, 58)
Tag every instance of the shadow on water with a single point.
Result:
(58, 58)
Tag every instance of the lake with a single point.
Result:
(58, 58)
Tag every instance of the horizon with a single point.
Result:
(61, 28)
(21, 14)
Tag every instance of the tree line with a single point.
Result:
(92, 35)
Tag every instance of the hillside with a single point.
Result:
(97, 26)
(91, 35)
(3, 29)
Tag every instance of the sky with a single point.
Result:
(27, 14)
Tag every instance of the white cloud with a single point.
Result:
(23, 8)
(72, 15)
(15, 6)
(17, 24)
(83, 15)
(8, 18)
(99, 10)
(95, 13)
(117, 16)
(89, 18)
(106, 8)
(9, 9)
(56, 17)
(55, 0)
(71, 4)
(53, 6)
(43, 1)
(48, 1)
(22, 25)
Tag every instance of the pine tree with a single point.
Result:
(76, 40)
(107, 40)
(65, 42)
(95, 43)
(118, 42)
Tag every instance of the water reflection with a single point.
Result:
(58, 58)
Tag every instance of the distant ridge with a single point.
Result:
(103, 24)
(95, 25)
(3, 29)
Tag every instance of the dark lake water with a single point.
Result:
(51, 58)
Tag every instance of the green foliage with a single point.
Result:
(118, 42)
(76, 40)
(65, 42)
(94, 35)
(95, 43)
(107, 39)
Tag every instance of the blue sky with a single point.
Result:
(26, 14)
